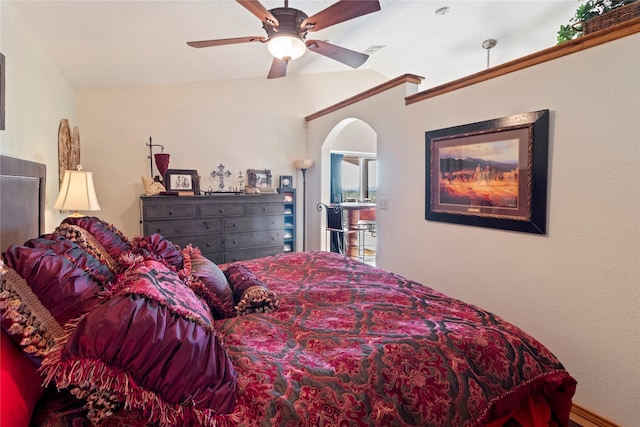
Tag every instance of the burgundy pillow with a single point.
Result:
(208, 282)
(152, 348)
(80, 257)
(159, 246)
(86, 241)
(24, 319)
(112, 239)
(250, 294)
(64, 288)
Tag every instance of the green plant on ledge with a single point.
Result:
(586, 11)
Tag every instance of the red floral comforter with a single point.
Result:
(353, 345)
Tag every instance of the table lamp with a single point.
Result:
(77, 193)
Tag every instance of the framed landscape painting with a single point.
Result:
(490, 174)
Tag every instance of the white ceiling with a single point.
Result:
(107, 44)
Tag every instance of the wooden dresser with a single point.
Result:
(226, 228)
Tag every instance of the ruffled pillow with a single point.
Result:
(24, 319)
(150, 347)
(208, 282)
(86, 241)
(250, 294)
(76, 253)
(112, 239)
(65, 288)
(160, 247)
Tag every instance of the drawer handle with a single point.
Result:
(170, 212)
(221, 211)
(235, 242)
(206, 224)
(159, 231)
(208, 244)
(235, 225)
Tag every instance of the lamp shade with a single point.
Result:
(286, 47)
(77, 192)
(303, 164)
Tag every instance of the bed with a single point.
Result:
(141, 332)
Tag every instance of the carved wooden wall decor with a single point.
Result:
(68, 148)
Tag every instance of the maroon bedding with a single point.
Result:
(355, 345)
(315, 339)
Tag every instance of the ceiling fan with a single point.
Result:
(287, 29)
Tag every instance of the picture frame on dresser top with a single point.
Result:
(490, 174)
(259, 178)
(286, 181)
(182, 181)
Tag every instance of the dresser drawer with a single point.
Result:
(234, 256)
(226, 228)
(251, 223)
(252, 240)
(210, 243)
(189, 226)
(169, 212)
(216, 257)
(221, 210)
(266, 209)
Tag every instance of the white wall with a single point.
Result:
(243, 124)
(37, 97)
(356, 137)
(575, 289)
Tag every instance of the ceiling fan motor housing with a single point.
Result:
(290, 20)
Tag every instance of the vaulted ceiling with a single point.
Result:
(106, 44)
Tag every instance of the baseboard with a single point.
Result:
(586, 418)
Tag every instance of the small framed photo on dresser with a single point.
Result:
(182, 180)
(286, 181)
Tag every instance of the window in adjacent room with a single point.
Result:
(353, 177)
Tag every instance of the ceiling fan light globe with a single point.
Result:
(283, 46)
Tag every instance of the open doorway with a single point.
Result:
(350, 178)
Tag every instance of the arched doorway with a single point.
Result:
(352, 144)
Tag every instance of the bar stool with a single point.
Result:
(367, 224)
(336, 230)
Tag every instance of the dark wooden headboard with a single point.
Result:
(22, 200)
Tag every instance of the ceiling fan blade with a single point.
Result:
(338, 12)
(220, 42)
(278, 69)
(255, 7)
(349, 57)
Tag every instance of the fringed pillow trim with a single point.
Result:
(86, 241)
(141, 244)
(250, 293)
(213, 301)
(106, 390)
(257, 299)
(28, 320)
(115, 230)
(129, 262)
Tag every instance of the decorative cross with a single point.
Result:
(221, 174)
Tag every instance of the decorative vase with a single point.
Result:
(162, 163)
